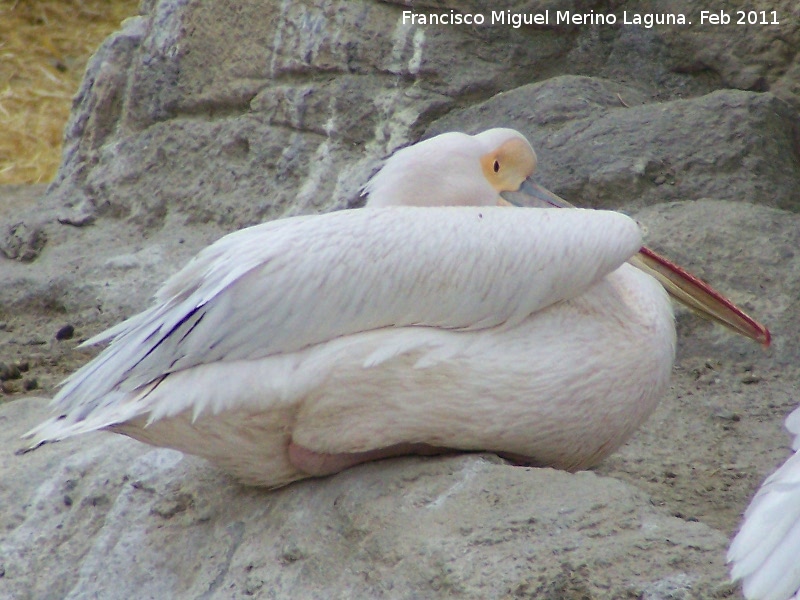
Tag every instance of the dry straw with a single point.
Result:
(44, 47)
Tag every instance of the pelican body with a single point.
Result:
(433, 319)
(765, 554)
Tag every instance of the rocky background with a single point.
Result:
(198, 118)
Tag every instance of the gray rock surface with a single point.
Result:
(234, 112)
(727, 145)
(124, 520)
(198, 118)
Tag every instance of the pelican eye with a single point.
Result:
(496, 166)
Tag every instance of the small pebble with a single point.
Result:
(65, 333)
(726, 414)
(750, 378)
(9, 372)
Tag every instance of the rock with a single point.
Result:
(756, 57)
(748, 251)
(595, 151)
(23, 242)
(66, 332)
(9, 372)
(72, 275)
(268, 108)
(465, 526)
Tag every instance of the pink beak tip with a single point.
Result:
(766, 338)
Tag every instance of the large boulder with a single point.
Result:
(109, 517)
(234, 112)
(602, 144)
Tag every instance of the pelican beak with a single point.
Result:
(687, 289)
(533, 195)
(699, 296)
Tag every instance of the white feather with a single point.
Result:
(280, 287)
(765, 554)
(793, 425)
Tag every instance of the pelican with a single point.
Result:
(765, 554)
(434, 319)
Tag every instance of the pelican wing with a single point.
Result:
(765, 552)
(285, 285)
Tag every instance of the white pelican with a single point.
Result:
(765, 554)
(306, 345)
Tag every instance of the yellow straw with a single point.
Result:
(44, 47)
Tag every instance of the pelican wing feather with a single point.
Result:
(282, 286)
(764, 554)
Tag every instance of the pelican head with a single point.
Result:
(455, 169)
